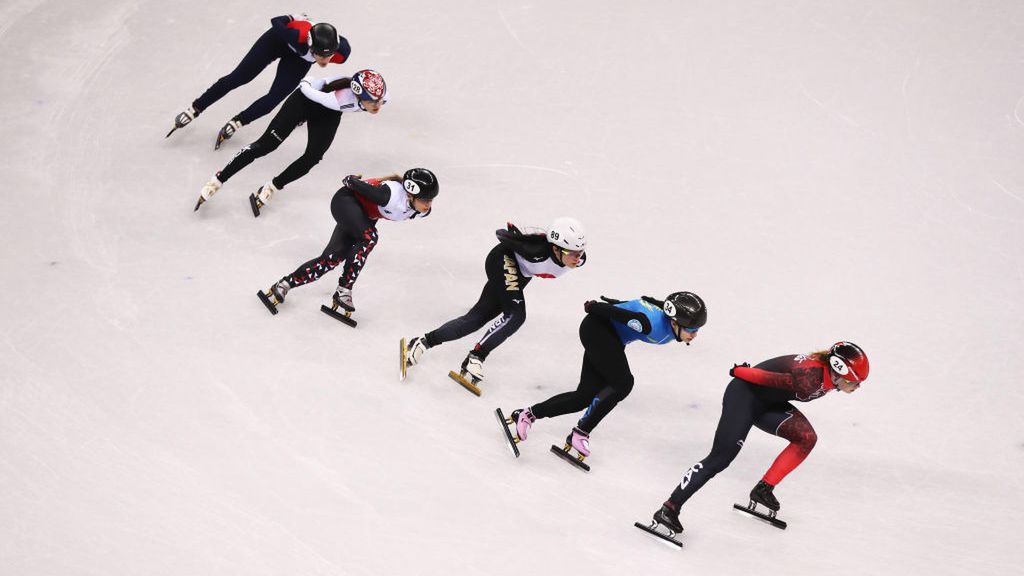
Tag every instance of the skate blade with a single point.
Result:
(565, 455)
(402, 353)
(509, 440)
(171, 132)
(255, 204)
(199, 203)
(464, 383)
(770, 518)
(270, 303)
(652, 529)
(343, 318)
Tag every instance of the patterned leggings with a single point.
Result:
(354, 237)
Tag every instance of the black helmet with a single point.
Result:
(421, 183)
(323, 39)
(686, 308)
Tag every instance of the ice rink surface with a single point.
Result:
(816, 171)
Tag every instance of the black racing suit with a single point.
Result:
(502, 295)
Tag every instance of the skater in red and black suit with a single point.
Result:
(761, 396)
(356, 208)
(297, 42)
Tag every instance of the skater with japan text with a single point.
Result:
(510, 266)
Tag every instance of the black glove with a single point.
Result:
(735, 366)
(513, 229)
(612, 301)
(349, 180)
(588, 305)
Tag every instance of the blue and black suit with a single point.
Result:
(605, 379)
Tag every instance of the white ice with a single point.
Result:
(817, 170)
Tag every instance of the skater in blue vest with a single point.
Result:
(605, 379)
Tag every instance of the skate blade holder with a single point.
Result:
(567, 449)
(566, 455)
(466, 382)
(770, 517)
(752, 506)
(344, 316)
(652, 529)
(269, 300)
(402, 366)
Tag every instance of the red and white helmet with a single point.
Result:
(369, 85)
(848, 361)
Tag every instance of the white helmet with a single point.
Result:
(568, 233)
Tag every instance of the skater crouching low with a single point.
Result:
(605, 378)
(319, 104)
(760, 396)
(356, 208)
(510, 266)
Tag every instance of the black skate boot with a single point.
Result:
(227, 131)
(668, 516)
(762, 494)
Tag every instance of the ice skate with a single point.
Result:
(666, 517)
(762, 494)
(209, 189)
(410, 354)
(471, 373)
(577, 440)
(522, 419)
(342, 299)
(510, 440)
(183, 119)
(275, 295)
(261, 197)
(227, 132)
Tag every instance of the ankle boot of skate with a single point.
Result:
(473, 366)
(668, 516)
(523, 418)
(579, 440)
(762, 494)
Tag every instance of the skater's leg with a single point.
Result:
(503, 270)
(279, 128)
(793, 426)
(739, 410)
(327, 261)
(290, 71)
(263, 52)
(486, 308)
(575, 401)
(322, 125)
(610, 364)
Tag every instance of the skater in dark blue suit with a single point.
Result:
(296, 42)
